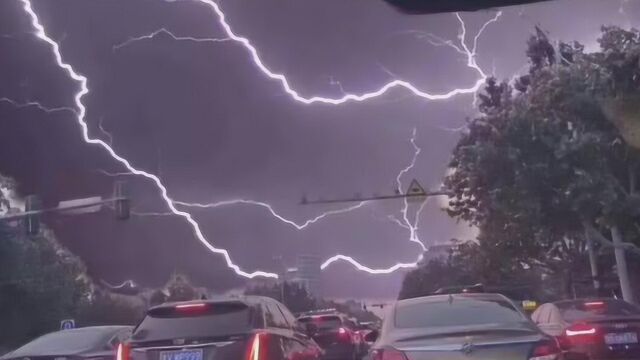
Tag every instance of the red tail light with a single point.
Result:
(388, 354)
(123, 352)
(581, 334)
(191, 308)
(546, 350)
(344, 334)
(258, 347)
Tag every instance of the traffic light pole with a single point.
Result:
(24, 214)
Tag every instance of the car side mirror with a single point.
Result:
(372, 336)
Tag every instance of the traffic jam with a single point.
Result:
(469, 324)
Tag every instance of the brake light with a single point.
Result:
(257, 348)
(594, 304)
(580, 329)
(388, 354)
(123, 352)
(546, 350)
(581, 334)
(344, 334)
(192, 308)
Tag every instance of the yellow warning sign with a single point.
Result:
(415, 191)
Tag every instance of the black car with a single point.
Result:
(251, 327)
(93, 342)
(598, 328)
(460, 326)
(336, 334)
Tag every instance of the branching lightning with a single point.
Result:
(412, 226)
(286, 86)
(164, 31)
(361, 267)
(104, 131)
(301, 226)
(39, 106)
(80, 113)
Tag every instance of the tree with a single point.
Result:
(41, 283)
(542, 164)
(180, 289)
(106, 309)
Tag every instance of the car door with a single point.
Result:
(277, 328)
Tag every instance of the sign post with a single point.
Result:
(67, 324)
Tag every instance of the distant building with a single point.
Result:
(307, 274)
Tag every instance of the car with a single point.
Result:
(92, 342)
(599, 328)
(479, 326)
(336, 334)
(230, 328)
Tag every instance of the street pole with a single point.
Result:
(593, 261)
(621, 265)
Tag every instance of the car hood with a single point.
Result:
(60, 353)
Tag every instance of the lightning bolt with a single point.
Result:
(361, 267)
(272, 211)
(286, 86)
(412, 226)
(104, 131)
(39, 106)
(171, 204)
(164, 31)
(80, 117)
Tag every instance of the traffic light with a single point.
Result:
(122, 203)
(32, 221)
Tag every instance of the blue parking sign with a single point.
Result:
(67, 324)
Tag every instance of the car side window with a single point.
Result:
(273, 316)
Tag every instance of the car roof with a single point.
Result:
(26, 350)
(441, 298)
(582, 301)
(249, 300)
(104, 328)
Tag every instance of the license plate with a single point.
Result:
(621, 338)
(195, 354)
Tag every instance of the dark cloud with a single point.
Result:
(215, 128)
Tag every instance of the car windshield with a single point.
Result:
(325, 322)
(578, 310)
(459, 312)
(333, 156)
(214, 320)
(66, 342)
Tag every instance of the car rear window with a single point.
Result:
(455, 313)
(324, 322)
(212, 319)
(577, 310)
